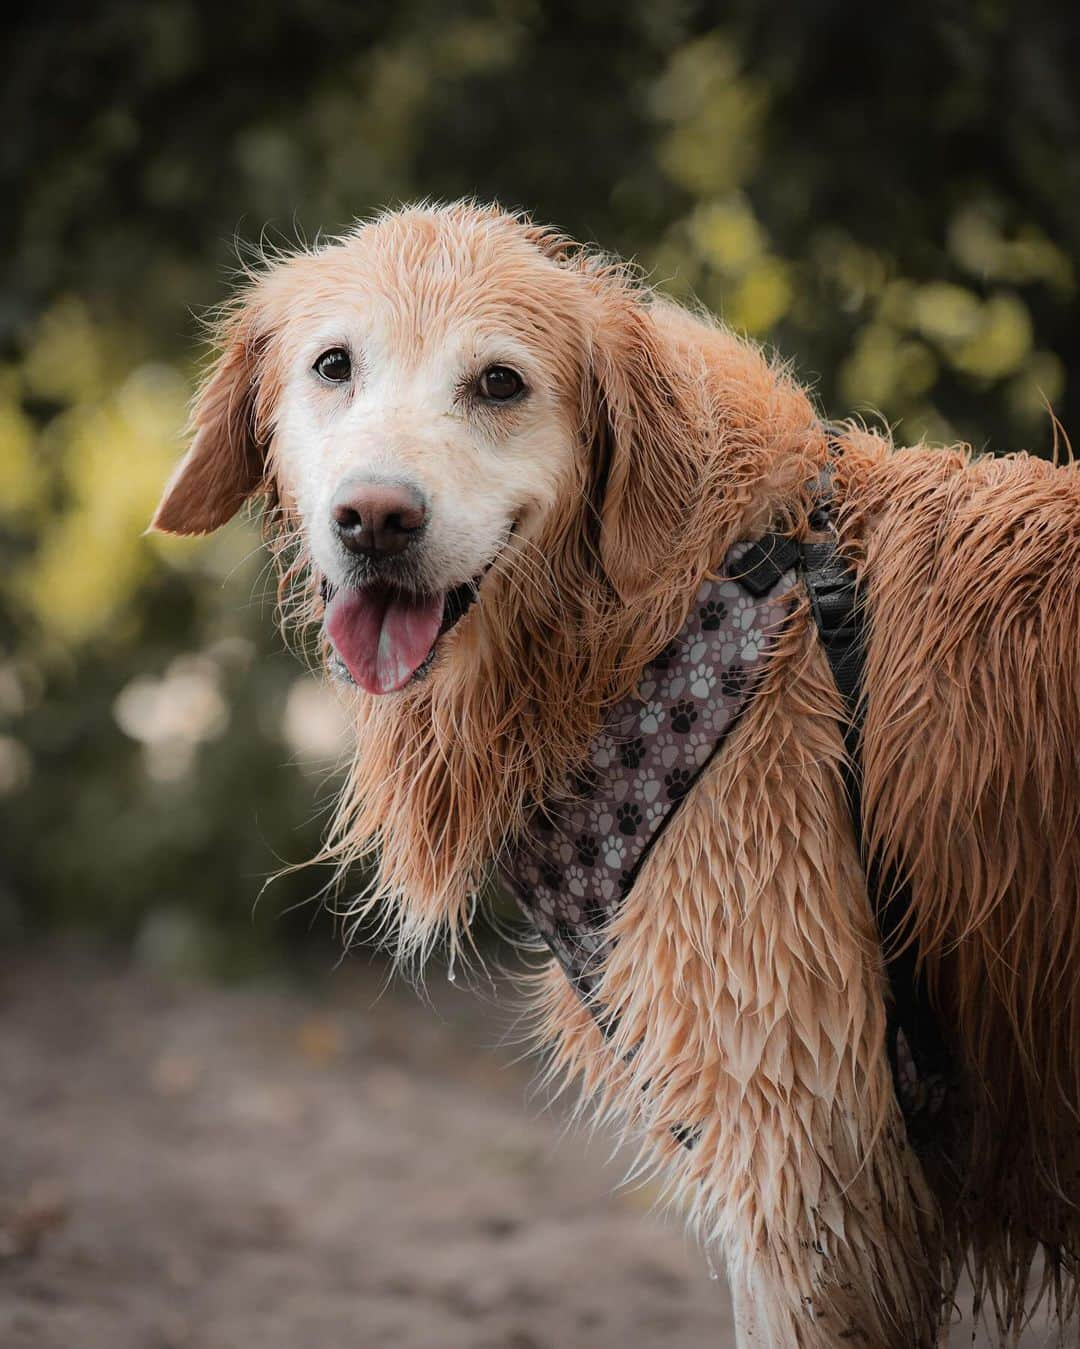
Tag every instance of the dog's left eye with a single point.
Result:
(499, 383)
(335, 365)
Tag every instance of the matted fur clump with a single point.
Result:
(745, 986)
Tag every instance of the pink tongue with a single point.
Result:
(383, 635)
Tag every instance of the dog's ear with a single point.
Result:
(645, 421)
(227, 459)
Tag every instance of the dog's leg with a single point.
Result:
(749, 1044)
(863, 1275)
(820, 1215)
(749, 1331)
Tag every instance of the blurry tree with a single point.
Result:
(890, 195)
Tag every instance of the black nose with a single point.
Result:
(377, 519)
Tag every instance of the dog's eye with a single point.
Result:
(335, 365)
(500, 383)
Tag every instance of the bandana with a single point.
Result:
(584, 850)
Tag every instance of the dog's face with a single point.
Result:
(423, 421)
(417, 389)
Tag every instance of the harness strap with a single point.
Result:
(918, 1056)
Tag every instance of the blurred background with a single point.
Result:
(890, 195)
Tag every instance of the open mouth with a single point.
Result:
(384, 636)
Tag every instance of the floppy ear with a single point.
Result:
(648, 425)
(226, 462)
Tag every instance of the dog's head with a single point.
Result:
(508, 467)
(427, 398)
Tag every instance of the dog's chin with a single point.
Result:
(383, 637)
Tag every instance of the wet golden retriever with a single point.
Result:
(452, 404)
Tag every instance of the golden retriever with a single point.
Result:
(509, 466)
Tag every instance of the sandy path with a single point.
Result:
(194, 1167)
(188, 1167)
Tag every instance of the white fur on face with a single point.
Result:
(414, 416)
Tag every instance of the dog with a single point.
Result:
(498, 469)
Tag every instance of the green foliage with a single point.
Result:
(889, 195)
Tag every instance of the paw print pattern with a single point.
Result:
(683, 716)
(628, 817)
(575, 867)
(702, 680)
(655, 813)
(587, 850)
(550, 875)
(632, 752)
(614, 852)
(733, 681)
(603, 753)
(651, 717)
(575, 881)
(744, 613)
(673, 686)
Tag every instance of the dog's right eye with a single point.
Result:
(499, 384)
(335, 365)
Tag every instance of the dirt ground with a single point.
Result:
(184, 1166)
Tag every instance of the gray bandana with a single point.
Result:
(584, 850)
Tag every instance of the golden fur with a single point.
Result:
(746, 967)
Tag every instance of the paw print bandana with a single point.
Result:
(583, 851)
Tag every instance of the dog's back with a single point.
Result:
(971, 759)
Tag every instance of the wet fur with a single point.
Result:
(746, 968)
